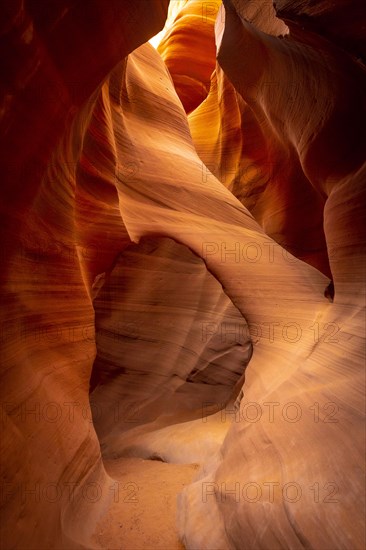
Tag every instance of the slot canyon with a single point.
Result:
(183, 274)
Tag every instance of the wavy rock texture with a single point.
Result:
(261, 170)
(259, 164)
(190, 354)
(54, 486)
(149, 256)
(192, 31)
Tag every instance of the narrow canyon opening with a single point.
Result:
(166, 361)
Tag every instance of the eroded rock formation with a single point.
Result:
(191, 31)
(164, 275)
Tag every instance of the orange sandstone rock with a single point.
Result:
(113, 201)
(188, 50)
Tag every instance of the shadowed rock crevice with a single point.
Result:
(169, 342)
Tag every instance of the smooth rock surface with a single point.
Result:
(127, 226)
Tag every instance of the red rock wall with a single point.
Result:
(53, 57)
(265, 187)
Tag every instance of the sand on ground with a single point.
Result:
(142, 515)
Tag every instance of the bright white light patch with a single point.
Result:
(174, 8)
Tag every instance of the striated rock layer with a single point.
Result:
(149, 256)
(191, 31)
(54, 486)
(192, 352)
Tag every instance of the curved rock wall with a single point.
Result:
(120, 211)
(52, 61)
(191, 31)
(169, 343)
